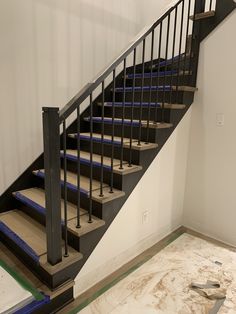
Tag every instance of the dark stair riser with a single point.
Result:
(169, 97)
(97, 147)
(127, 128)
(169, 114)
(182, 64)
(182, 80)
(85, 171)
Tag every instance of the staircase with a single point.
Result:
(56, 212)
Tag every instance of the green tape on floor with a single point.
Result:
(22, 281)
(97, 294)
(108, 286)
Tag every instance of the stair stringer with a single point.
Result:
(163, 199)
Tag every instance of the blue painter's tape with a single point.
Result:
(25, 200)
(169, 61)
(21, 243)
(154, 74)
(33, 306)
(135, 104)
(69, 185)
(85, 161)
(145, 88)
(109, 121)
(99, 140)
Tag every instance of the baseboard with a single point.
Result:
(84, 282)
(90, 294)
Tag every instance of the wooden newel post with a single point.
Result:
(51, 136)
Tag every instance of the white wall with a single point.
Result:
(210, 198)
(161, 193)
(49, 50)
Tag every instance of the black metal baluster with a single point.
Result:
(210, 6)
(186, 42)
(192, 42)
(141, 97)
(123, 117)
(78, 168)
(165, 70)
(91, 161)
(102, 139)
(132, 109)
(113, 129)
(150, 90)
(180, 56)
(173, 55)
(158, 71)
(65, 189)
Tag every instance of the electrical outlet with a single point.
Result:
(145, 217)
(220, 119)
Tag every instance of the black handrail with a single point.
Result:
(71, 106)
(57, 181)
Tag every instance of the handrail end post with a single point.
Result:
(51, 136)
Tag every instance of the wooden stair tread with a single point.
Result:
(185, 88)
(161, 88)
(137, 105)
(117, 141)
(85, 226)
(30, 231)
(106, 161)
(96, 157)
(72, 179)
(144, 123)
(84, 185)
(38, 196)
(202, 15)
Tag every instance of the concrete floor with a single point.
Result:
(161, 285)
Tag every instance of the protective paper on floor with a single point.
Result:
(12, 295)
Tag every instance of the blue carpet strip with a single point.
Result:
(145, 88)
(99, 140)
(69, 185)
(28, 202)
(33, 306)
(154, 74)
(25, 200)
(135, 104)
(21, 243)
(169, 61)
(109, 121)
(85, 161)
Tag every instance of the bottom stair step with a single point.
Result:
(30, 237)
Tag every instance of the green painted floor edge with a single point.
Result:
(22, 282)
(97, 294)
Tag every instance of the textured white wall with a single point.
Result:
(49, 50)
(210, 202)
